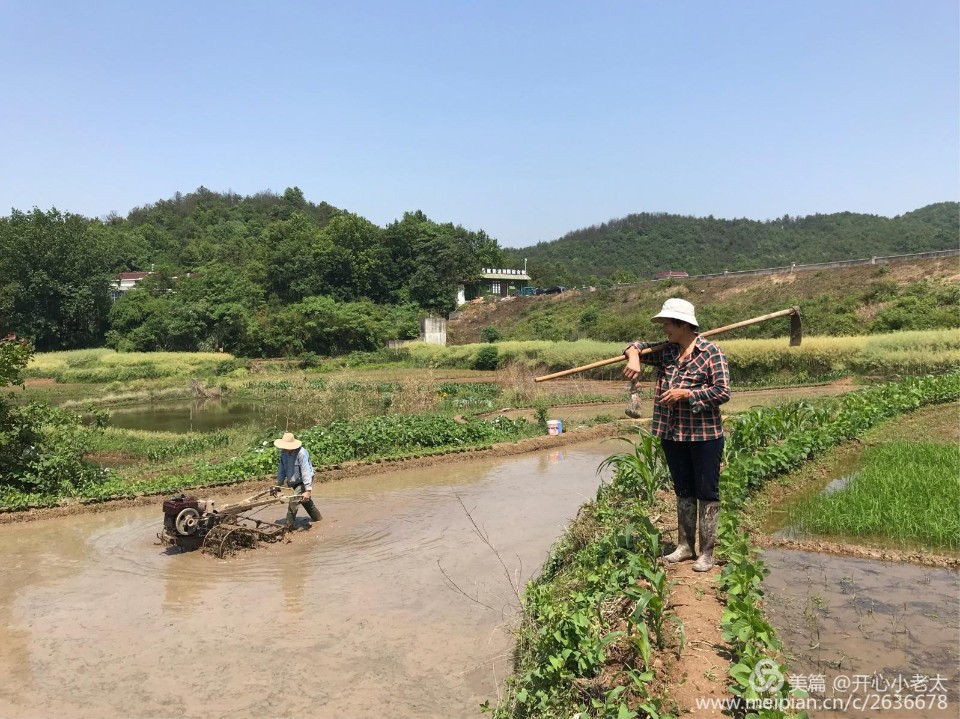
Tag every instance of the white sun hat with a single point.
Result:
(288, 441)
(677, 309)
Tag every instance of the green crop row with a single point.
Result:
(566, 635)
(601, 597)
(155, 446)
(329, 445)
(906, 492)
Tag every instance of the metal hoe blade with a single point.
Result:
(796, 328)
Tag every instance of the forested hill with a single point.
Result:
(639, 246)
(264, 274)
(274, 274)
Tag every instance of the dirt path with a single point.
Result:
(847, 549)
(701, 671)
(740, 400)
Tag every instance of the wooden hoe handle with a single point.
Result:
(795, 311)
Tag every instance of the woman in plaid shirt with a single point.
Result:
(692, 382)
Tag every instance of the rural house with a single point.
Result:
(125, 281)
(497, 282)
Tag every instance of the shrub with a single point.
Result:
(490, 334)
(487, 358)
(41, 447)
(309, 360)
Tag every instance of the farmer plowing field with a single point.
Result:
(190, 523)
(296, 471)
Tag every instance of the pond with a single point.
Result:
(208, 415)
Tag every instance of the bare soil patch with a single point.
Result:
(846, 549)
(701, 670)
(40, 382)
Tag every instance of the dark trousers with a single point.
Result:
(695, 467)
(295, 503)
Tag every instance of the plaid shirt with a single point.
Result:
(705, 373)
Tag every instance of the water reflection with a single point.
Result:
(209, 415)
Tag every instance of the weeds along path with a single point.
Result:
(609, 631)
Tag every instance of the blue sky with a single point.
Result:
(525, 119)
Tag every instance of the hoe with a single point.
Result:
(633, 408)
(190, 523)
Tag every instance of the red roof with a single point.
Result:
(132, 275)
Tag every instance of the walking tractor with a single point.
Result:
(190, 523)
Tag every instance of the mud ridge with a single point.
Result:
(844, 549)
(702, 669)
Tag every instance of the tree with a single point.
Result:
(41, 447)
(15, 437)
(56, 271)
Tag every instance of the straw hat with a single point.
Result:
(677, 309)
(288, 441)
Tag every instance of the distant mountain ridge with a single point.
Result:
(640, 245)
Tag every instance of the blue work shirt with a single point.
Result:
(296, 468)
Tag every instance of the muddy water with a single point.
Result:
(845, 618)
(351, 618)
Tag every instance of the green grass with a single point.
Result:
(106, 365)
(907, 493)
(365, 439)
(751, 360)
(158, 446)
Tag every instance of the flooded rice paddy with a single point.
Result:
(863, 626)
(363, 615)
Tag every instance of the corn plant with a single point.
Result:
(640, 472)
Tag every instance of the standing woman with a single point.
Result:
(692, 382)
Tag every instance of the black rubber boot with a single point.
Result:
(686, 530)
(312, 510)
(709, 515)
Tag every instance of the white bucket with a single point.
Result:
(554, 426)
